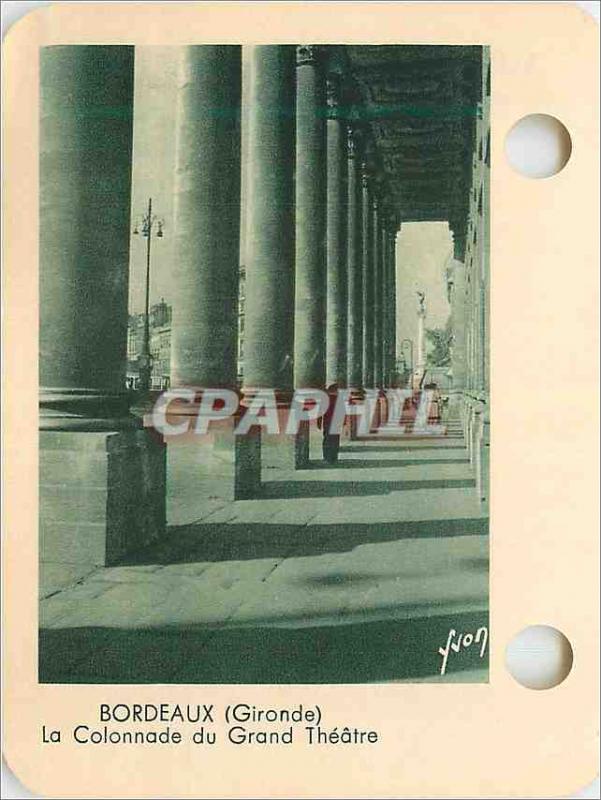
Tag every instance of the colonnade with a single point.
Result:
(320, 260)
(470, 301)
(320, 267)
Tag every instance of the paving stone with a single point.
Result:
(64, 603)
(56, 576)
(401, 579)
(143, 572)
(314, 580)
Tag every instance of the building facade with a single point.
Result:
(160, 346)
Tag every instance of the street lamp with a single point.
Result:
(146, 224)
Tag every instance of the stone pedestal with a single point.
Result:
(376, 420)
(102, 495)
(384, 411)
(352, 421)
(248, 465)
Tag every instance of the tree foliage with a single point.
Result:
(439, 352)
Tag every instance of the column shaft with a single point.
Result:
(392, 325)
(458, 312)
(336, 336)
(207, 217)
(85, 185)
(310, 285)
(377, 280)
(269, 323)
(354, 266)
(368, 285)
(385, 321)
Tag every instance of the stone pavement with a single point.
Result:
(349, 573)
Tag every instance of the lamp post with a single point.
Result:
(147, 223)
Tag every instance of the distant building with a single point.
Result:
(160, 345)
(160, 341)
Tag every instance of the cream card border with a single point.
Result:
(445, 740)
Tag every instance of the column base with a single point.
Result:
(102, 496)
(351, 423)
(380, 417)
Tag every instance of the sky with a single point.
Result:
(155, 91)
(423, 252)
(423, 248)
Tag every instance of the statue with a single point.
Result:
(422, 303)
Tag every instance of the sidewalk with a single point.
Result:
(339, 574)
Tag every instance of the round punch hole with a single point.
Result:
(538, 146)
(539, 657)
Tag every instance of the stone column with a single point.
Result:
(377, 292)
(382, 352)
(354, 266)
(458, 312)
(336, 336)
(385, 288)
(270, 236)
(368, 284)
(206, 217)
(85, 182)
(205, 268)
(392, 329)
(269, 321)
(102, 482)
(310, 183)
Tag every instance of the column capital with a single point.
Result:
(352, 144)
(389, 217)
(307, 54)
(365, 174)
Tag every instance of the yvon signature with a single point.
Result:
(462, 641)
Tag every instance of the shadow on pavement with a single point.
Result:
(373, 463)
(363, 652)
(279, 490)
(242, 541)
(417, 448)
